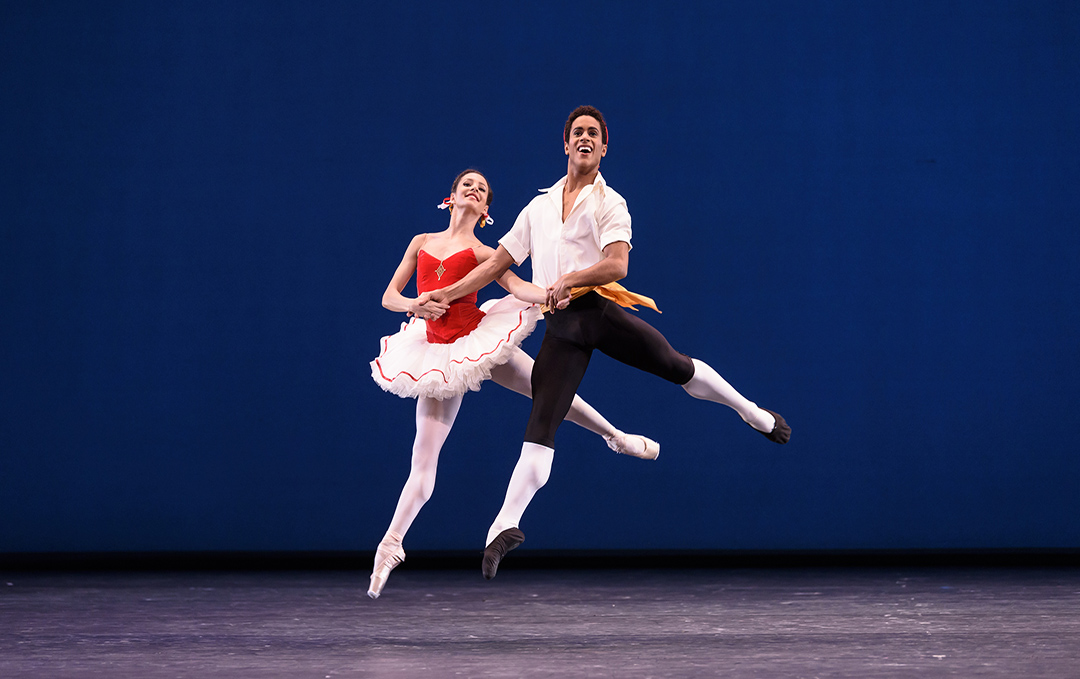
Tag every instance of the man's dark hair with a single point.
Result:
(586, 111)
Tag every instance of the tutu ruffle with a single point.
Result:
(409, 366)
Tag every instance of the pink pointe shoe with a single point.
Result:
(387, 557)
(634, 445)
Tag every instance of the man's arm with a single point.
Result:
(611, 268)
(495, 266)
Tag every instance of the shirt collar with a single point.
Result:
(597, 183)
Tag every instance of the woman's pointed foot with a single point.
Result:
(634, 445)
(387, 557)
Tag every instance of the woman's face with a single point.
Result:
(471, 193)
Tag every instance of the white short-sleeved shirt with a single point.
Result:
(598, 219)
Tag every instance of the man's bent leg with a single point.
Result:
(557, 372)
(530, 474)
(553, 391)
(516, 375)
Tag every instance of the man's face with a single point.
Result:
(584, 146)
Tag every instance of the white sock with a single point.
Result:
(530, 474)
(706, 384)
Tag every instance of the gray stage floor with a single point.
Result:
(545, 623)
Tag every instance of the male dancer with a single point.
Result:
(578, 234)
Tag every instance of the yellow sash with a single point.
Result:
(616, 293)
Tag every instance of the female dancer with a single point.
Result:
(447, 349)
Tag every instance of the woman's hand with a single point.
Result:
(558, 293)
(427, 309)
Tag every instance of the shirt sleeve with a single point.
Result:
(614, 221)
(518, 238)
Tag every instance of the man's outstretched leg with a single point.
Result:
(629, 339)
(708, 385)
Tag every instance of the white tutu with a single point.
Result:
(410, 366)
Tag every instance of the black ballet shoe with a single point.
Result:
(780, 433)
(503, 543)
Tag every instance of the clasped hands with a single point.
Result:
(429, 306)
(558, 294)
(434, 303)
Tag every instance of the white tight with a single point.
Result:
(434, 419)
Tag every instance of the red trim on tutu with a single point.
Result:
(509, 335)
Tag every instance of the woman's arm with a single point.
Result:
(523, 290)
(392, 298)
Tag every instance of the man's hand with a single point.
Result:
(439, 296)
(428, 308)
(558, 294)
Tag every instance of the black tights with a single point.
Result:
(592, 322)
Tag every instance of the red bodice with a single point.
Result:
(463, 316)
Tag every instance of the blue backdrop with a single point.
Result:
(864, 215)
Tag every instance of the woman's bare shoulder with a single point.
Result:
(483, 252)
